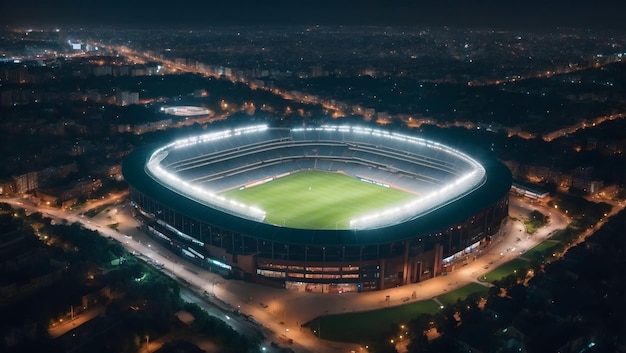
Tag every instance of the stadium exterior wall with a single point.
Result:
(322, 260)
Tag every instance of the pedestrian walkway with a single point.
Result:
(67, 325)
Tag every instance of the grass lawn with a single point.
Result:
(539, 249)
(451, 298)
(532, 226)
(505, 270)
(565, 235)
(357, 327)
(317, 200)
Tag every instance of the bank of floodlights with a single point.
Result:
(470, 180)
(448, 193)
(195, 192)
(451, 191)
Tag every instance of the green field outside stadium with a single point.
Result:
(317, 200)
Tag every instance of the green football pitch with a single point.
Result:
(317, 200)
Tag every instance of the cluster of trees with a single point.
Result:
(219, 332)
(143, 301)
(535, 220)
(584, 213)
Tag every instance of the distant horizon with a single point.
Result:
(225, 26)
(531, 15)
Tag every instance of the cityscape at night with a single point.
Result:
(339, 177)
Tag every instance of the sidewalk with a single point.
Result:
(68, 325)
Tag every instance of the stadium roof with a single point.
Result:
(496, 186)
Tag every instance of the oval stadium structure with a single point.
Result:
(322, 209)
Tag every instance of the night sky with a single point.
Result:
(501, 14)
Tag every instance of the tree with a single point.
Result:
(445, 320)
(538, 216)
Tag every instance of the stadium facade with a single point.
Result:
(461, 207)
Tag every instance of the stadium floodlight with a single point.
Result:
(195, 192)
(423, 205)
(468, 175)
(448, 193)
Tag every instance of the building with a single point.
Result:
(30, 181)
(462, 206)
(69, 195)
(125, 98)
(26, 182)
(529, 190)
(587, 185)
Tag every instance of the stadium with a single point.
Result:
(185, 111)
(320, 209)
